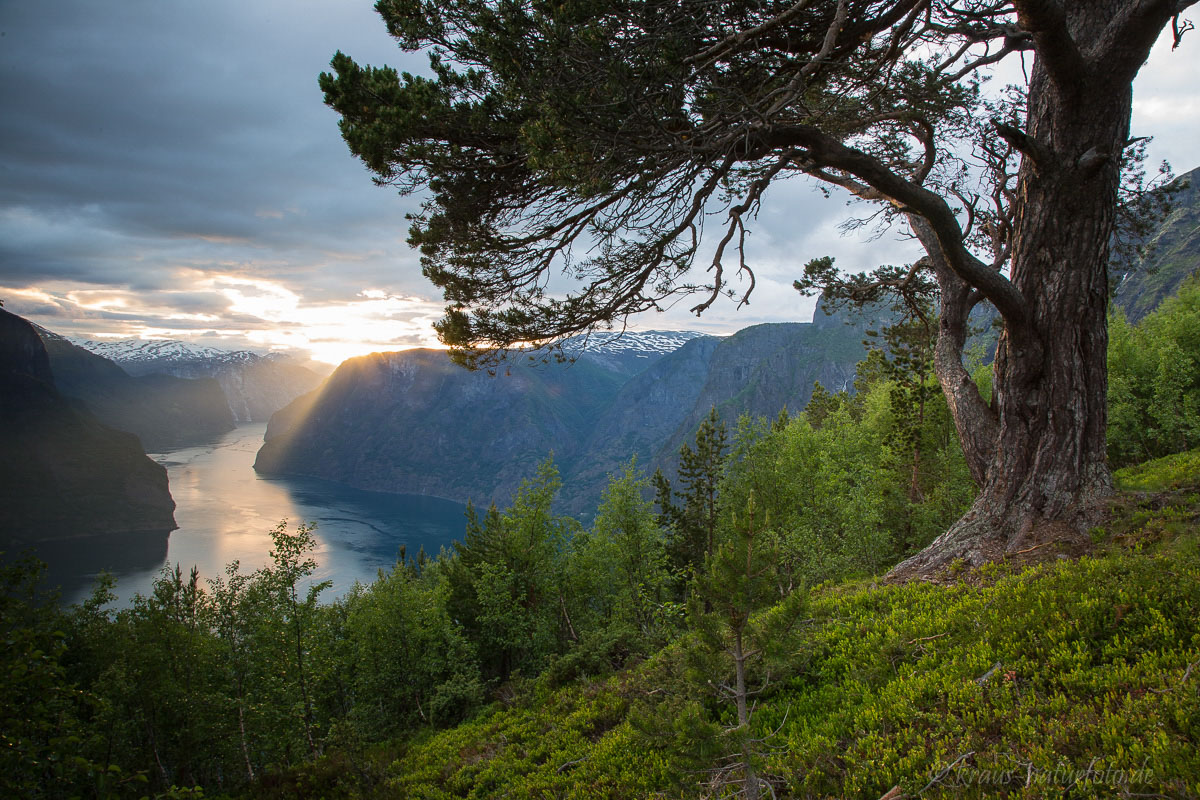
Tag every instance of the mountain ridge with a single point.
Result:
(255, 385)
(450, 433)
(163, 411)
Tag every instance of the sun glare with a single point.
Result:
(375, 321)
(249, 313)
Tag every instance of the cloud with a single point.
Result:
(157, 159)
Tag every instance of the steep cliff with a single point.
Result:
(414, 422)
(63, 474)
(1172, 254)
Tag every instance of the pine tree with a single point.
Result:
(737, 639)
(693, 521)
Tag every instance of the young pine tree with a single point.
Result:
(693, 521)
(739, 638)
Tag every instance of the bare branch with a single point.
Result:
(1178, 29)
(826, 151)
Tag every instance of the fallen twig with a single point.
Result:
(1031, 549)
(982, 679)
(570, 764)
(928, 638)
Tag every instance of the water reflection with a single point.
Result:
(225, 512)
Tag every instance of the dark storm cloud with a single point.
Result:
(182, 133)
(150, 147)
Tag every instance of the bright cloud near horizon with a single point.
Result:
(168, 170)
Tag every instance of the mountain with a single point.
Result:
(757, 371)
(413, 422)
(162, 410)
(255, 386)
(628, 352)
(1173, 254)
(63, 474)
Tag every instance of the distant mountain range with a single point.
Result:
(255, 386)
(163, 411)
(413, 422)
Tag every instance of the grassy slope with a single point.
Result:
(1098, 669)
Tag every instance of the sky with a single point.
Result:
(168, 169)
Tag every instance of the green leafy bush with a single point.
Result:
(1154, 381)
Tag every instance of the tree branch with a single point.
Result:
(826, 151)
(1024, 143)
(1123, 46)
(1052, 41)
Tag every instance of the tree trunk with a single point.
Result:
(741, 697)
(1047, 472)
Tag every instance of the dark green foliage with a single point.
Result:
(840, 493)
(735, 647)
(409, 663)
(822, 404)
(619, 576)
(45, 735)
(1154, 381)
(506, 581)
(692, 520)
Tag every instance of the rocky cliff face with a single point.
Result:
(1173, 254)
(63, 474)
(163, 411)
(413, 422)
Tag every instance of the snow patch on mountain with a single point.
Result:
(134, 351)
(630, 342)
(255, 385)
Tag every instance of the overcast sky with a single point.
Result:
(168, 168)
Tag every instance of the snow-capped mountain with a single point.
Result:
(628, 352)
(144, 356)
(163, 411)
(255, 385)
(633, 341)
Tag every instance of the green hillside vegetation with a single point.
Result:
(732, 639)
(1154, 380)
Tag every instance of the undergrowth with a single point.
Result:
(1073, 678)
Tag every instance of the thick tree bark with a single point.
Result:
(1047, 474)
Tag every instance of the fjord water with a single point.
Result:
(225, 512)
